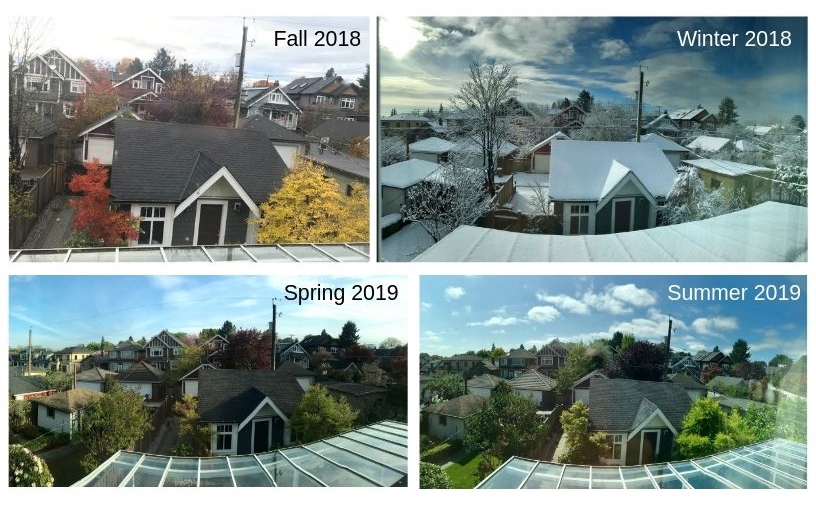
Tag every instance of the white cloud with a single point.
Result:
(431, 335)
(634, 295)
(497, 321)
(714, 326)
(543, 314)
(426, 306)
(614, 49)
(565, 303)
(454, 292)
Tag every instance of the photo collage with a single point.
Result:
(574, 253)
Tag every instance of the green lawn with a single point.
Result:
(461, 472)
(65, 466)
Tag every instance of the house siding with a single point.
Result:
(603, 219)
(236, 230)
(454, 427)
(92, 385)
(62, 422)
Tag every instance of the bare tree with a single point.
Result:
(485, 101)
(611, 123)
(451, 197)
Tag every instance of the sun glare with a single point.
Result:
(399, 35)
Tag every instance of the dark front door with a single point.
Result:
(209, 224)
(623, 215)
(649, 447)
(260, 442)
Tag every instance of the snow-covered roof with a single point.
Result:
(729, 168)
(686, 113)
(555, 136)
(405, 117)
(665, 145)
(587, 170)
(406, 173)
(466, 146)
(663, 122)
(433, 145)
(770, 231)
(760, 131)
(710, 144)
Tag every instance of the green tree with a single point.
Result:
(349, 334)
(582, 447)
(444, 387)
(27, 469)
(642, 361)
(728, 111)
(194, 437)
(581, 360)
(309, 207)
(740, 352)
(163, 63)
(798, 122)
(319, 415)
(505, 426)
(433, 477)
(58, 381)
(365, 89)
(330, 73)
(19, 413)
(701, 425)
(780, 360)
(227, 329)
(585, 100)
(116, 422)
(791, 419)
(191, 356)
(135, 66)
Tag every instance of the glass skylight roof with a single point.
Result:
(376, 455)
(286, 253)
(772, 464)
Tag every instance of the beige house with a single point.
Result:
(62, 412)
(447, 420)
(732, 178)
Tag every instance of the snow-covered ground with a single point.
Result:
(406, 244)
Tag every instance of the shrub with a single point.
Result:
(27, 470)
(433, 477)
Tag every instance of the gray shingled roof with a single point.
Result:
(339, 130)
(533, 380)
(296, 370)
(271, 129)
(342, 163)
(519, 353)
(71, 400)
(722, 381)
(353, 388)
(231, 395)
(94, 375)
(461, 406)
(161, 162)
(618, 404)
(485, 381)
(141, 372)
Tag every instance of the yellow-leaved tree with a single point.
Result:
(310, 207)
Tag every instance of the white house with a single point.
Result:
(62, 412)
(447, 420)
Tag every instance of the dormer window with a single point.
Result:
(77, 87)
(136, 84)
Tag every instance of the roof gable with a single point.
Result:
(141, 372)
(64, 66)
(232, 395)
(618, 404)
(137, 74)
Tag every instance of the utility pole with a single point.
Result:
(274, 336)
(240, 76)
(668, 347)
(640, 106)
(29, 351)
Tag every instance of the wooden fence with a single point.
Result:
(41, 190)
(159, 417)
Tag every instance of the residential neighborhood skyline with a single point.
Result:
(64, 311)
(423, 62)
(213, 43)
(457, 317)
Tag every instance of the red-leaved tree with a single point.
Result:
(93, 214)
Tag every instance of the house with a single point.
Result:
(734, 179)
(397, 180)
(213, 347)
(458, 363)
(50, 83)
(147, 380)
(469, 153)
(304, 377)
(338, 134)
(663, 125)
(537, 156)
(705, 144)
(705, 359)
(328, 96)
(370, 401)
(93, 379)
(569, 118)
(483, 367)
(62, 412)
(641, 418)
(271, 103)
(189, 382)
(96, 141)
(248, 411)
(23, 386)
(536, 387)
(673, 151)
(580, 388)
(292, 353)
(551, 357)
(321, 343)
(608, 187)
(516, 362)
(163, 350)
(692, 386)
(288, 144)
(68, 360)
(483, 385)
(410, 127)
(697, 117)
(721, 382)
(684, 364)
(123, 355)
(136, 91)
(344, 169)
(431, 149)
(191, 184)
(448, 420)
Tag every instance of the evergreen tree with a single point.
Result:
(163, 63)
(349, 334)
(728, 111)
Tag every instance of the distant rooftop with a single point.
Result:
(372, 456)
(256, 253)
(773, 464)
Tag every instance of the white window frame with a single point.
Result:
(127, 354)
(615, 440)
(156, 352)
(320, 99)
(77, 87)
(277, 97)
(158, 88)
(50, 412)
(148, 82)
(577, 210)
(68, 109)
(136, 84)
(224, 436)
(167, 238)
(347, 103)
(44, 83)
(547, 360)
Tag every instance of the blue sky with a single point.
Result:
(423, 61)
(68, 310)
(461, 313)
(211, 42)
